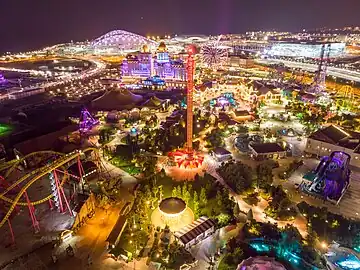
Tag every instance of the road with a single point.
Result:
(333, 71)
(258, 210)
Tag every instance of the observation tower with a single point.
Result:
(187, 157)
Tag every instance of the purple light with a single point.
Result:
(2, 79)
(87, 122)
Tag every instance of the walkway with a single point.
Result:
(258, 210)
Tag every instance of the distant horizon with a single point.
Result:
(48, 44)
(28, 25)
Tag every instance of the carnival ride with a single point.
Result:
(87, 122)
(214, 54)
(56, 166)
(188, 157)
(122, 40)
(331, 178)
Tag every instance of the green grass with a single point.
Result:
(5, 129)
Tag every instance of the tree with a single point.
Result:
(250, 215)
(186, 196)
(312, 238)
(178, 192)
(195, 197)
(236, 210)
(203, 197)
(174, 192)
(184, 190)
(290, 239)
(264, 174)
(219, 198)
(356, 242)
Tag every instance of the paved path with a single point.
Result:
(258, 210)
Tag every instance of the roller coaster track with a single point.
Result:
(36, 175)
(13, 164)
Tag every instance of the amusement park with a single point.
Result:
(234, 151)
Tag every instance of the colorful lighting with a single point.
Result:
(187, 160)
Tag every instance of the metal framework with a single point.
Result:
(188, 158)
(122, 39)
(214, 54)
(190, 68)
(21, 186)
(319, 85)
(86, 122)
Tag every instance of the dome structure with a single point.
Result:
(122, 40)
(172, 206)
(162, 47)
(172, 212)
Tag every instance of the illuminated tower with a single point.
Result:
(188, 158)
(190, 68)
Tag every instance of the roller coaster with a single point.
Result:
(11, 194)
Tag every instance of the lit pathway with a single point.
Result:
(258, 210)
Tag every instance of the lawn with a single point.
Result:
(5, 129)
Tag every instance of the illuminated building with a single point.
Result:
(119, 40)
(330, 179)
(238, 61)
(196, 232)
(334, 138)
(255, 91)
(144, 65)
(308, 50)
(172, 212)
(261, 151)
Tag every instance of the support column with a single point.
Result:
(32, 214)
(11, 232)
(58, 192)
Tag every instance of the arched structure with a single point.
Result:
(122, 40)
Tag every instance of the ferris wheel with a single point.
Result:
(214, 54)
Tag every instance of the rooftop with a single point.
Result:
(195, 229)
(221, 151)
(266, 147)
(337, 136)
(172, 205)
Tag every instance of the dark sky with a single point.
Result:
(27, 24)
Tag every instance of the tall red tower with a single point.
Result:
(188, 158)
(190, 68)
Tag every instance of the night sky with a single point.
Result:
(29, 24)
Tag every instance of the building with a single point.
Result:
(221, 154)
(242, 115)
(239, 61)
(144, 65)
(308, 50)
(261, 151)
(196, 232)
(333, 138)
(255, 91)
